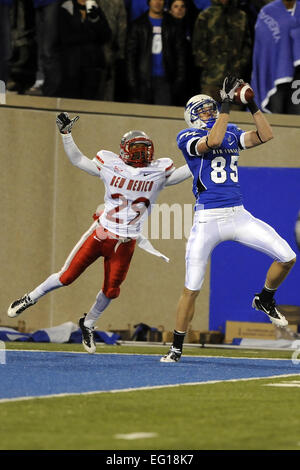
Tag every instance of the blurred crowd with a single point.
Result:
(151, 51)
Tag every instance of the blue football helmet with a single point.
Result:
(197, 105)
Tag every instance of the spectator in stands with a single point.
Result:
(221, 42)
(135, 8)
(48, 76)
(276, 57)
(5, 41)
(202, 4)
(180, 11)
(83, 31)
(251, 8)
(112, 86)
(155, 58)
(23, 58)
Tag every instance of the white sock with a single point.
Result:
(51, 283)
(102, 302)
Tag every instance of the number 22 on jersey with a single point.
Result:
(139, 205)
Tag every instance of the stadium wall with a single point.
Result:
(47, 204)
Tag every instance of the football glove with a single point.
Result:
(64, 123)
(230, 84)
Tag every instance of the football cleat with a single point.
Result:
(88, 340)
(270, 309)
(19, 305)
(173, 355)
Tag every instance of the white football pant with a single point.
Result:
(213, 226)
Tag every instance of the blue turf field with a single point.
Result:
(36, 373)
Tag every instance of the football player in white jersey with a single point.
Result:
(132, 182)
(211, 147)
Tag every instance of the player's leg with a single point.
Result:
(116, 265)
(31, 298)
(261, 236)
(87, 322)
(184, 315)
(202, 240)
(82, 255)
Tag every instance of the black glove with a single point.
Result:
(64, 123)
(230, 84)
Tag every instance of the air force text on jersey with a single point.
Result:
(215, 173)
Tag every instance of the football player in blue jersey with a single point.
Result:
(211, 147)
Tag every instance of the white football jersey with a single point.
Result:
(130, 192)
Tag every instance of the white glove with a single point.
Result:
(230, 84)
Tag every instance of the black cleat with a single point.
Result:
(173, 355)
(87, 336)
(270, 309)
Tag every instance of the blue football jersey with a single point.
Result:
(215, 172)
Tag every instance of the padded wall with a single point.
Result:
(272, 195)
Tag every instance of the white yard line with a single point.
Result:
(156, 355)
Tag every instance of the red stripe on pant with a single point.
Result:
(116, 264)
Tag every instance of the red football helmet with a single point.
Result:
(136, 149)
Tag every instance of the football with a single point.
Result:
(243, 94)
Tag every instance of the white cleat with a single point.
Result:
(19, 305)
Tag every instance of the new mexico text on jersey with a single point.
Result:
(129, 192)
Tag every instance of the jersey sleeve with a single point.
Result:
(187, 141)
(166, 166)
(99, 162)
(239, 134)
(103, 159)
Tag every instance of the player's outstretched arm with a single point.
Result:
(217, 133)
(65, 124)
(179, 174)
(263, 131)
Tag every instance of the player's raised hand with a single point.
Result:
(230, 84)
(64, 123)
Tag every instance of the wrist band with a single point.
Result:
(225, 107)
(253, 107)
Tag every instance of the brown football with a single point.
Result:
(243, 94)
